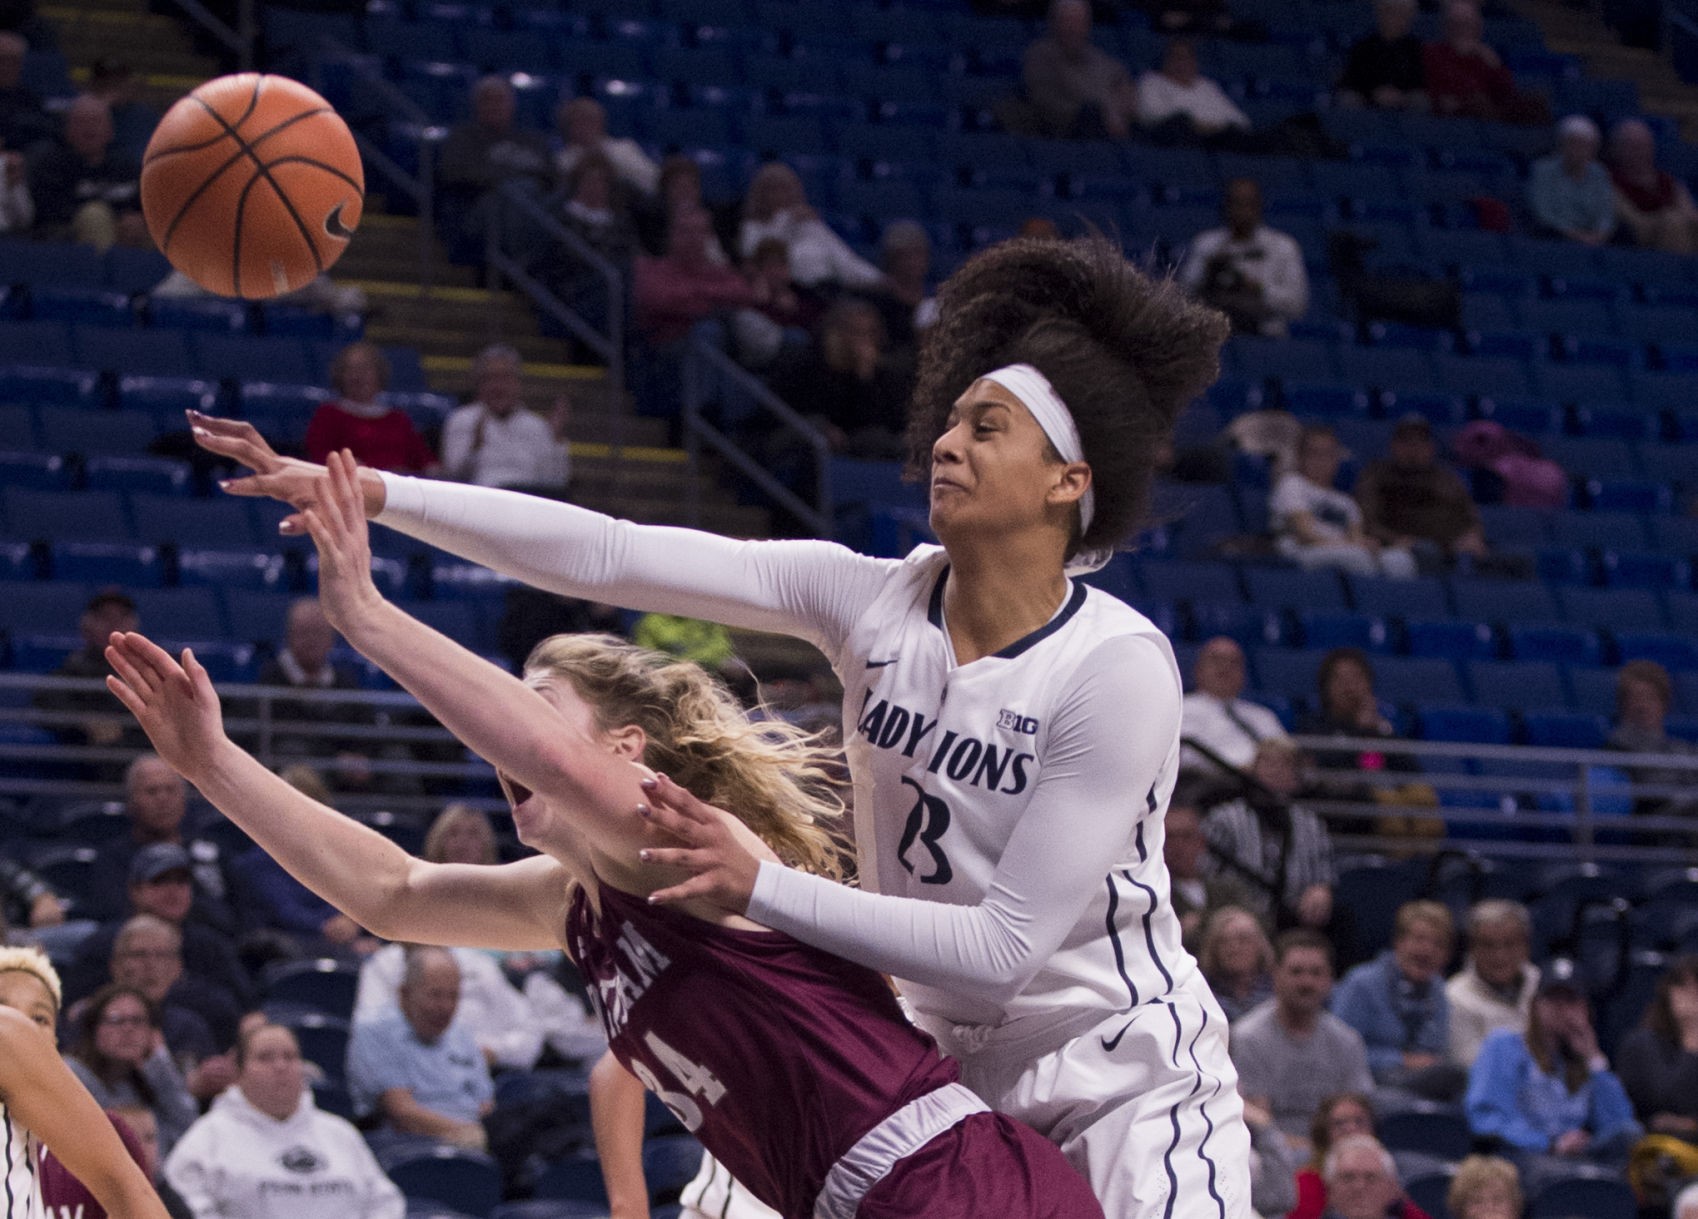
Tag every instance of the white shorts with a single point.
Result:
(714, 1194)
(1145, 1105)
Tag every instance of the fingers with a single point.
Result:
(144, 652)
(130, 669)
(685, 829)
(679, 801)
(233, 438)
(200, 681)
(677, 857)
(696, 886)
(135, 703)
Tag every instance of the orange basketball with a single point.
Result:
(252, 185)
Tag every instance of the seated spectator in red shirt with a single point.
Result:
(1653, 205)
(87, 188)
(673, 293)
(1466, 77)
(380, 435)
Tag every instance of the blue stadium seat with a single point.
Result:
(1544, 420)
(1190, 581)
(166, 398)
(65, 429)
(1616, 422)
(49, 262)
(1599, 530)
(40, 385)
(323, 985)
(1570, 316)
(324, 1043)
(1492, 378)
(1251, 626)
(42, 653)
(256, 616)
(36, 471)
(1451, 638)
(159, 353)
(1502, 601)
(1581, 384)
(1289, 672)
(1517, 684)
(1285, 359)
(1419, 598)
(1411, 679)
(250, 569)
(1474, 725)
(1600, 1197)
(1674, 464)
(1293, 588)
(146, 475)
(80, 306)
(44, 607)
(1625, 569)
(1328, 400)
(1372, 891)
(222, 521)
(1629, 495)
(1629, 609)
(69, 516)
(198, 313)
(1439, 1132)
(1594, 690)
(18, 561)
(1565, 729)
(1342, 628)
(1665, 390)
(574, 1178)
(1389, 368)
(182, 613)
(126, 564)
(240, 357)
(1519, 528)
(46, 343)
(134, 271)
(1554, 642)
(1677, 653)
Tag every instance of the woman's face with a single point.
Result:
(24, 992)
(1349, 688)
(465, 841)
(272, 1076)
(359, 380)
(1239, 948)
(123, 1032)
(1642, 706)
(1348, 1118)
(991, 470)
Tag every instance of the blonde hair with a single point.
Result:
(774, 777)
(1208, 953)
(33, 961)
(1478, 1173)
(447, 821)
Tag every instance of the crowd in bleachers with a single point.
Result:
(787, 181)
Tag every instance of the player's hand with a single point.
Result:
(289, 479)
(339, 530)
(172, 699)
(723, 855)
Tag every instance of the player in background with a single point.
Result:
(795, 1068)
(42, 1103)
(1013, 735)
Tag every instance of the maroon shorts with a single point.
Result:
(985, 1164)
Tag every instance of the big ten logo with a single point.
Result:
(1015, 722)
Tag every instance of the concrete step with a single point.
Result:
(475, 311)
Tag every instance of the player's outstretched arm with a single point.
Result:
(618, 1105)
(52, 1104)
(517, 906)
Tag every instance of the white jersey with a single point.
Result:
(22, 1166)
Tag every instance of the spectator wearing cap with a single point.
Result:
(1570, 192)
(1652, 204)
(1410, 501)
(1550, 1090)
(1216, 716)
(582, 124)
(1319, 526)
(1077, 90)
(1252, 273)
(495, 442)
(161, 887)
(1397, 1002)
(1384, 68)
(1494, 988)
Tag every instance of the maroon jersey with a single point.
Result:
(68, 1198)
(777, 1056)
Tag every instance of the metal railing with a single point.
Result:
(703, 365)
(238, 40)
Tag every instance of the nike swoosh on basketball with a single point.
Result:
(1109, 1043)
(334, 225)
(879, 664)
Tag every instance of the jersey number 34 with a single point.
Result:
(695, 1080)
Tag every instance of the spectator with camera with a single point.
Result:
(1252, 273)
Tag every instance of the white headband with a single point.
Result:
(1037, 395)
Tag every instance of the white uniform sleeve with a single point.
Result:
(814, 590)
(1113, 736)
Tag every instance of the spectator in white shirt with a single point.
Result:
(1178, 101)
(496, 441)
(582, 123)
(1215, 717)
(1494, 988)
(820, 260)
(1320, 526)
(17, 208)
(1253, 274)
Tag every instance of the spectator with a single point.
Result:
(265, 1150)
(480, 155)
(194, 1018)
(86, 188)
(1485, 1187)
(1282, 849)
(1494, 988)
(1291, 1053)
(907, 303)
(1644, 694)
(304, 662)
(1178, 104)
(495, 442)
(847, 385)
(24, 121)
(1252, 273)
(114, 82)
(1652, 203)
(1319, 526)
(380, 435)
(1237, 960)
(25, 899)
(582, 123)
(1659, 1060)
(1686, 1203)
(97, 724)
(687, 286)
(778, 318)
(17, 206)
(1362, 1183)
(1410, 501)
(1339, 1117)
(821, 262)
(496, 1015)
(1213, 714)
(1385, 68)
(680, 190)
(593, 209)
(1077, 90)
(156, 803)
(1197, 893)
(120, 1056)
(1550, 1090)
(1397, 1002)
(414, 1067)
(1466, 77)
(1569, 191)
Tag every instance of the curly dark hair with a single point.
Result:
(1126, 353)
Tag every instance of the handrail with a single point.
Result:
(610, 346)
(239, 40)
(702, 360)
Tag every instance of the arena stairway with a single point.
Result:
(1579, 31)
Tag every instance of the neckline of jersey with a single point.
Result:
(934, 615)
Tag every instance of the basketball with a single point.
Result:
(252, 185)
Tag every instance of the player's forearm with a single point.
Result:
(617, 1105)
(352, 867)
